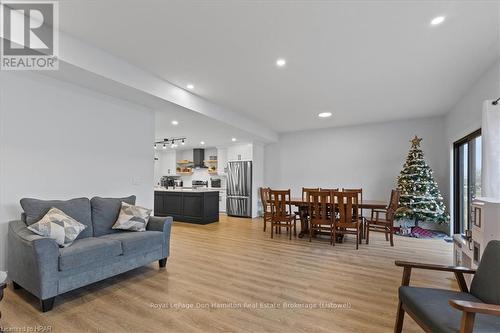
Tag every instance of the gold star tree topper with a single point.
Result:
(415, 142)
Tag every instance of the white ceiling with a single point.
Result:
(365, 61)
(195, 128)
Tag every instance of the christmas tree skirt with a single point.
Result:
(419, 232)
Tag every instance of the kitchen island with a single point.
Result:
(200, 206)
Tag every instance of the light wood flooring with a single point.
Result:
(215, 269)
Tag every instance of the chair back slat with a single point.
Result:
(359, 192)
(279, 200)
(306, 190)
(319, 207)
(393, 204)
(264, 199)
(347, 207)
(331, 190)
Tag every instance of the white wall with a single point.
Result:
(59, 141)
(257, 177)
(368, 156)
(465, 117)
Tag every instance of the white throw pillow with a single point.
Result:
(133, 218)
(57, 225)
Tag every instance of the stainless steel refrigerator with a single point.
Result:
(239, 189)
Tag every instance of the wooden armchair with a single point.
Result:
(266, 206)
(464, 311)
(385, 224)
(281, 212)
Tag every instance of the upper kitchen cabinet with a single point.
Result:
(221, 160)
(240, 152)
(168, 163)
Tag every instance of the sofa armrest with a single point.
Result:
(163, 224)
(32, 261)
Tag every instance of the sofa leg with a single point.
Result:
(400, 316)
(16, 286)
(162, 262)
(47, 304)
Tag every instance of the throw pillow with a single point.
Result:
(58, 226)
(133, 218)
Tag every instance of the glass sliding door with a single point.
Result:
(467, 178)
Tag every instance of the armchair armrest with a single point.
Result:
(434, 267)
(465, 306)
(163, 224)
(458, 271)
(469, 310)
(32, 260)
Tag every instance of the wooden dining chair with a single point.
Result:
(281, 212)
(302, 213)
(320, 220)
(359, 191)
(385, 224)
(266, 205)
(346, 220)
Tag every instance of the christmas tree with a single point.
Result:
(420, 198)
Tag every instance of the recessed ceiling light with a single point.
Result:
(280, 62)
(437, 20)
(202, 143)
(190, 86)
(233, 139)
(175, 122)
(324, 114)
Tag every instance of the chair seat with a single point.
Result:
(134, 242)
(431, 307)
(86, 251)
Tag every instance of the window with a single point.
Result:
(467, 178)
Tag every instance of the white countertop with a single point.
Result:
(189, 189)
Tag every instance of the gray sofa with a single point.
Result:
(40, 266)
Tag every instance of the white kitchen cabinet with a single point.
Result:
(239, 152)
(222, 201)
(168, 163)
(221, 160)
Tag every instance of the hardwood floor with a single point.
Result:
(215, 269)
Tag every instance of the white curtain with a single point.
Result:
(490, 132)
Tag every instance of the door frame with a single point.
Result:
(456, 180)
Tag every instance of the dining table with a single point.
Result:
(301, 203)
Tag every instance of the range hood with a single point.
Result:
(199, 158)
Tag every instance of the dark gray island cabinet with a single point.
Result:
(195, 206)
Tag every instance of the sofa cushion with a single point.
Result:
(86, 251)
(432, 308)
(132, 218)
(137, 242)
(105, 212)
(60, 227)
(78, 208)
